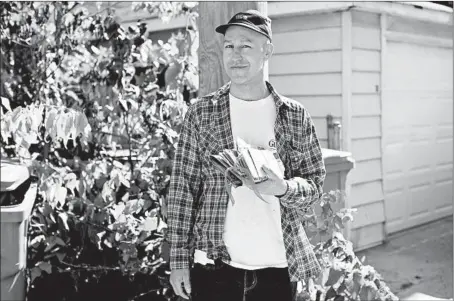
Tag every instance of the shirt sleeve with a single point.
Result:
(183, 191)
(306, 187)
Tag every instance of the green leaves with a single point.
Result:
(331, 293)
(334, 276)
(339, 298)
(343, 276)
(133, 206)
(149, 224)
(64, 124)
(96, 84)
(6, 104)
(45, 266)
(22, 124)
(346, 214)
(60, 195)
(35, 273)
(366, 293)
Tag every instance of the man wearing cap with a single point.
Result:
(249, 250)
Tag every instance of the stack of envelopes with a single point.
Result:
(246, 163)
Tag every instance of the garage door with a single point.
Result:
(417, 134)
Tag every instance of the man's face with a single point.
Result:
(244, 54)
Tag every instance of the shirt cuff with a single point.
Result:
(291, 196)
(179, 259)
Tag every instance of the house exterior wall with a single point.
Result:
(308, 68)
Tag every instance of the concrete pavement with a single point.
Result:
(419, 260)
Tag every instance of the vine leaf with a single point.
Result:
(331, 293)
(45, 266)
(334, 276)
(6, 104)
(35, 273)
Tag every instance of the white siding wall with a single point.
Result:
(307, 64)
(366, 192)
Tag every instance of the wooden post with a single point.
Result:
(211, 14)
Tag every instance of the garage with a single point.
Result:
(417, 134)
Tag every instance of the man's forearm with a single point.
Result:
(302, 193)
(179, 217)
(184, 188)
(306, 186)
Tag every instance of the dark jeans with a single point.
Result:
(226, 283)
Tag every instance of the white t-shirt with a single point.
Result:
(252, 231)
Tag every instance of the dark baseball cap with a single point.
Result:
(251, 19)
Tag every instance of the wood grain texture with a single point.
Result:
(212, 14)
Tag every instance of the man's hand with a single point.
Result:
(275, 185)
(181, 283)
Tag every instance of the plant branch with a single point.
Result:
(143, 294)
(20, 44)
(125, 115)
(88, 268)
(41, 83)
(116, 135)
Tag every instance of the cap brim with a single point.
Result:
(223, 28)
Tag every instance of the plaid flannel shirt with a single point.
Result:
(197, 200)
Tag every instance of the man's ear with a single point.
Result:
(269, 49)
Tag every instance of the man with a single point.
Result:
(249, 250)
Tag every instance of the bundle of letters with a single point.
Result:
(245, 164)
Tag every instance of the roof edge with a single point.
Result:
(428, 5)
(285, 9)
(423, 11)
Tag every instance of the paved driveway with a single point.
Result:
(417, 260)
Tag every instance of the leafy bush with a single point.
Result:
(95, 109)
(344, 277)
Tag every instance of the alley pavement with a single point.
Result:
(419, 260)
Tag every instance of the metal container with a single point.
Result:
(17, 195)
